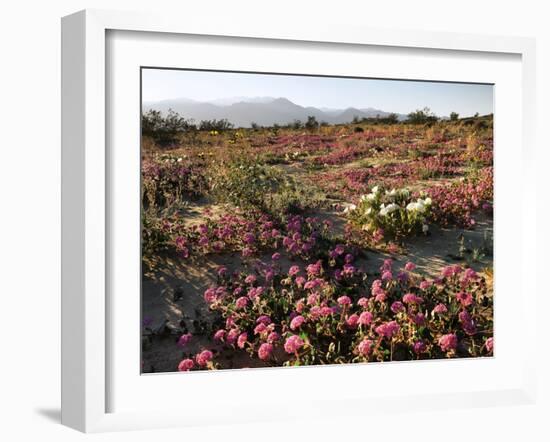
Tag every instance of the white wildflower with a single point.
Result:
(417, 206)
(386, 210)
(349, 208)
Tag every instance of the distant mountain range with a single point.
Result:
(265, 111)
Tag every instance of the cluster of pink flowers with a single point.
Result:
(388, 329)
(302, 234)
(168, 176)
(201, 360)
(304, 312)
(248, 234)
(457, 203)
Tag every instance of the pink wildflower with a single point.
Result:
(265, 350)
(448, 342)
(344, 300)
(425, 285)
(241, 302)
(352, 321)
(365, 347)
(465, 298)
(184, 339)
(314, 283)
(297, 322)
(365, 318)
(315, 312)
(419, 319)
(339, 249)
(210, 295)
(232, 336)
(260, 328)
(263, 319)
(293, 344)
(204, 357)
(273, 337)
(249, 238)
(468, 324)
(397, 307)
(419, 347)
(186, 365)
(313, 298)
(294, 270)
(388, 329)
(220, 335)
(242, 339)
(363, 302)
(411, 298)
(314, 269)
(409, 267)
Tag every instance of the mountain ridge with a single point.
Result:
(265, 111)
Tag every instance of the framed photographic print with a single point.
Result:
(256, 211)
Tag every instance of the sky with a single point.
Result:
(398, 96)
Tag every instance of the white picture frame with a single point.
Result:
(86, 350)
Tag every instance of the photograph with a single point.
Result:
(297, 220)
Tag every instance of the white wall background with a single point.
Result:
(30, 213)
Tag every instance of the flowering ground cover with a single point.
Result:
(341, 244)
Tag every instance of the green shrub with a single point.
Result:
(242, 183)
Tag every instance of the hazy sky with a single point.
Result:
(340, 93)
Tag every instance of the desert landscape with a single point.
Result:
(315, 242)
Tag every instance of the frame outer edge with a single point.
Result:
(73, 361)
(83, 186)
(530, 209)
(83, 331)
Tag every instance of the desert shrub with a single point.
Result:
(242, 183)
(292, 197)
(254, 186)
(155, 236)
(421, 116)
(394, 212)
(215, 125)
(311, 123)
(164, 128)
